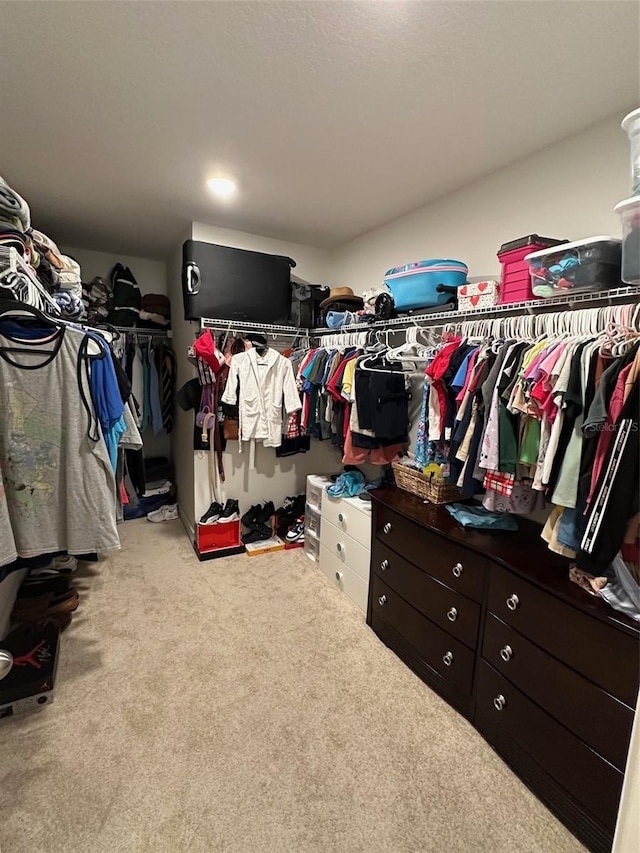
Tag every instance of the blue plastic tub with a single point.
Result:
(415, 285)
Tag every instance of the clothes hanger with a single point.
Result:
(259, 340)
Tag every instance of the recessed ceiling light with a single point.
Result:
(222, 187)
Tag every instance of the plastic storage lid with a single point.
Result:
(530, 239)
(578, 244)
(628, 203)
(631, 122)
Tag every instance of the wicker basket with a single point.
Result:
(434, 491)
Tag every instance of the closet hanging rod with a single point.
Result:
(134, 330)
(629, 293)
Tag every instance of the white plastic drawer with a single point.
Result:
(311, 546)
(350, 518)
(345, 549)
(311, 520)
(316, 484)
(344, 578)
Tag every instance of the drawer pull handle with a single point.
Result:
(340, 517)
(387, 528)
(457, 570)
(339, 548)
(338, 576)
(513, 602)
(384, 565)
(452, 614)
(382, 600)
(506, 654)
(499, 702)
(447, 659)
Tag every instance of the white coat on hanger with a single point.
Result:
(265, 383)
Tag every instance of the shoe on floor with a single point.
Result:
(231, 512)
(165, 513)
(65, 564)
(258, 534)
(212, 514)
(296, 531)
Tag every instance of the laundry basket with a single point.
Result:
(436, 491)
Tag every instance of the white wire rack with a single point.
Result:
(18, 277)
(233, 326)
(629, 293)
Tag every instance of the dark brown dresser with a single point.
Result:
(548, 674)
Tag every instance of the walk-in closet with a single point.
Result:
(319, 426)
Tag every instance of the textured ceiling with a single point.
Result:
(335, 117)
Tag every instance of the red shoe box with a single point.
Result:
(218, 540)
(289, 545)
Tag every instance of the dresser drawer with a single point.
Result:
(451, 563)
(450, 658)
(453, 612)
(463, 579)
(591, 780)
(344, 578)
(345, 549)
(598, 651)
(350, 519)
(593, 715)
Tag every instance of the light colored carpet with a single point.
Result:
(242, 706)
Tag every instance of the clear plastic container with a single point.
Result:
(629, 211)
(631, 126)
(316, 485)
(592, 264)
(311, 520)
(311, 547)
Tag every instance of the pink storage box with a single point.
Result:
(516, 278)
(479, 294)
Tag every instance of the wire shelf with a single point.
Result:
(629, 293)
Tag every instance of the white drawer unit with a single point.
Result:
(347, 550)
(350, 515)
(316, 485)
(345, 546)
(311, 546)
(344, 578)
(311, 520)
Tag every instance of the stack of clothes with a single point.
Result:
(58, 274)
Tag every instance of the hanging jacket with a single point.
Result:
(266, 383)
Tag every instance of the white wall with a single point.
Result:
(182, 435)
(273, 478)
(568, 190)
(151, 275)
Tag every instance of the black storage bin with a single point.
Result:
(235, 284)
(586, 265)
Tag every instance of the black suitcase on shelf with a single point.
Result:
(235, 284)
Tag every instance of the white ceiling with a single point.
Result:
(335, 117)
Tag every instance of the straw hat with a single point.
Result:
(341, 294)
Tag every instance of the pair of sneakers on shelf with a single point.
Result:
(218, 514)
(258, 520)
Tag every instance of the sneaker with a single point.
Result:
(266, 513)
(249, 518)
(231, 512)
(296, 531)
(65, 564)
(163, 489)
(258, 534)
(165, 513)
(212, 514)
